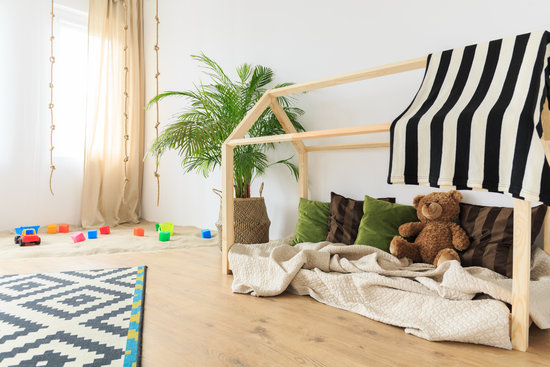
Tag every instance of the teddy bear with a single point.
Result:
(437, 235)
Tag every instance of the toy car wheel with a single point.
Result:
(16, 240)
(37, 242)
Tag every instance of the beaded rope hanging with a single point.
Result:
(157, 74)
(50, 106)
(126, 136)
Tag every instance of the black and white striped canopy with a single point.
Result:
(476, 120)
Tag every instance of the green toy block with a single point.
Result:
(164, 236)
(167, 227)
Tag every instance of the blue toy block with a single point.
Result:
(206, 233)
(92, 234)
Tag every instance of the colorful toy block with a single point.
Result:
(167, 227)
(164, 236)
(63, 228)
(138, 231)
(78, 237)
(104, 230)
(205, 233)
(92, 235)
(52, 228)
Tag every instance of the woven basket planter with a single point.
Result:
(251, 221)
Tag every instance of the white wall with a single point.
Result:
(304, 40)
(24, 123)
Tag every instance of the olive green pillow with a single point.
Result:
(312, 225)
(381, 221)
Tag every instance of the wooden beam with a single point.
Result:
(285, 122)
(521, 274)
(375, 144)
(228, 229)
(547, 232)
(393, 68)
(358, 130)
(303, 169)
(250, 118)
(545, 120)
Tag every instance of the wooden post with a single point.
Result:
(228, 229)
(521, 274)
(545, 118)
(547, 232)
(303, 174)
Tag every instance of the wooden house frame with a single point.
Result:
(520, 320)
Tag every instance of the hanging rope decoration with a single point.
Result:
(157, 74)
(126, 136)
(50, 106)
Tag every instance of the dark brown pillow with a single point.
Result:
(491, 232)
(344, 218)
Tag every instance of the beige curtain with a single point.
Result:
(110, 196)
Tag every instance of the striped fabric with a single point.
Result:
(491, 232)
(345, 217)
(475, 122)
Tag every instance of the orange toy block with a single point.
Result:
(52, 228)
(63, 228)
(138, 231)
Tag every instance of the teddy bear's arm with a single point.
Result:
(410, 229)
(460, 238)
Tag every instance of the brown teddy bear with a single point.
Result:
(437, 236)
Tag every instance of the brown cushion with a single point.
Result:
(491, 232)
(344, 218)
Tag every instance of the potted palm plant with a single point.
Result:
(214, 110)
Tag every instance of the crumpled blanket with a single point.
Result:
(441, 303)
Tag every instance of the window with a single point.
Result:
(70, 50)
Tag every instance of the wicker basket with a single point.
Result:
(251, 220)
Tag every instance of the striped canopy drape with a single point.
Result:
(476, 120)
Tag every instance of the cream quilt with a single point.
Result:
(434, 304)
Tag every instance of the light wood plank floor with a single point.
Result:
(193, 319)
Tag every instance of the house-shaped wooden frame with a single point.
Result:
(520, 321)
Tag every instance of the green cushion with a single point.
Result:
(381, 221)
(312, 223)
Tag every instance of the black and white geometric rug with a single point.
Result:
(76, 318)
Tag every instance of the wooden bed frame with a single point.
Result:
(520, 320)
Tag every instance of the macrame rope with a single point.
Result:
(157, 74)
(50, 106)
(126, 135)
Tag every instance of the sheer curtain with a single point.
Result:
(111, 191)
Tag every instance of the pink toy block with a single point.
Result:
(138, 231)
(78, 237)
(104, 230)
(63, 228)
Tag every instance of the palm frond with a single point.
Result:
(213, 112)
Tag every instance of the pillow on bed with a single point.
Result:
(491, 232)
(380, 222)
(344, 218)
(312, 221)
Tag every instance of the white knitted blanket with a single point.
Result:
(434, 304)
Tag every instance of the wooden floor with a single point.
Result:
(193, 319)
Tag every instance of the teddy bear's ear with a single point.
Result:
(417, 199)
(456, 195)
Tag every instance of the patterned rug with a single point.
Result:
(76, 318)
